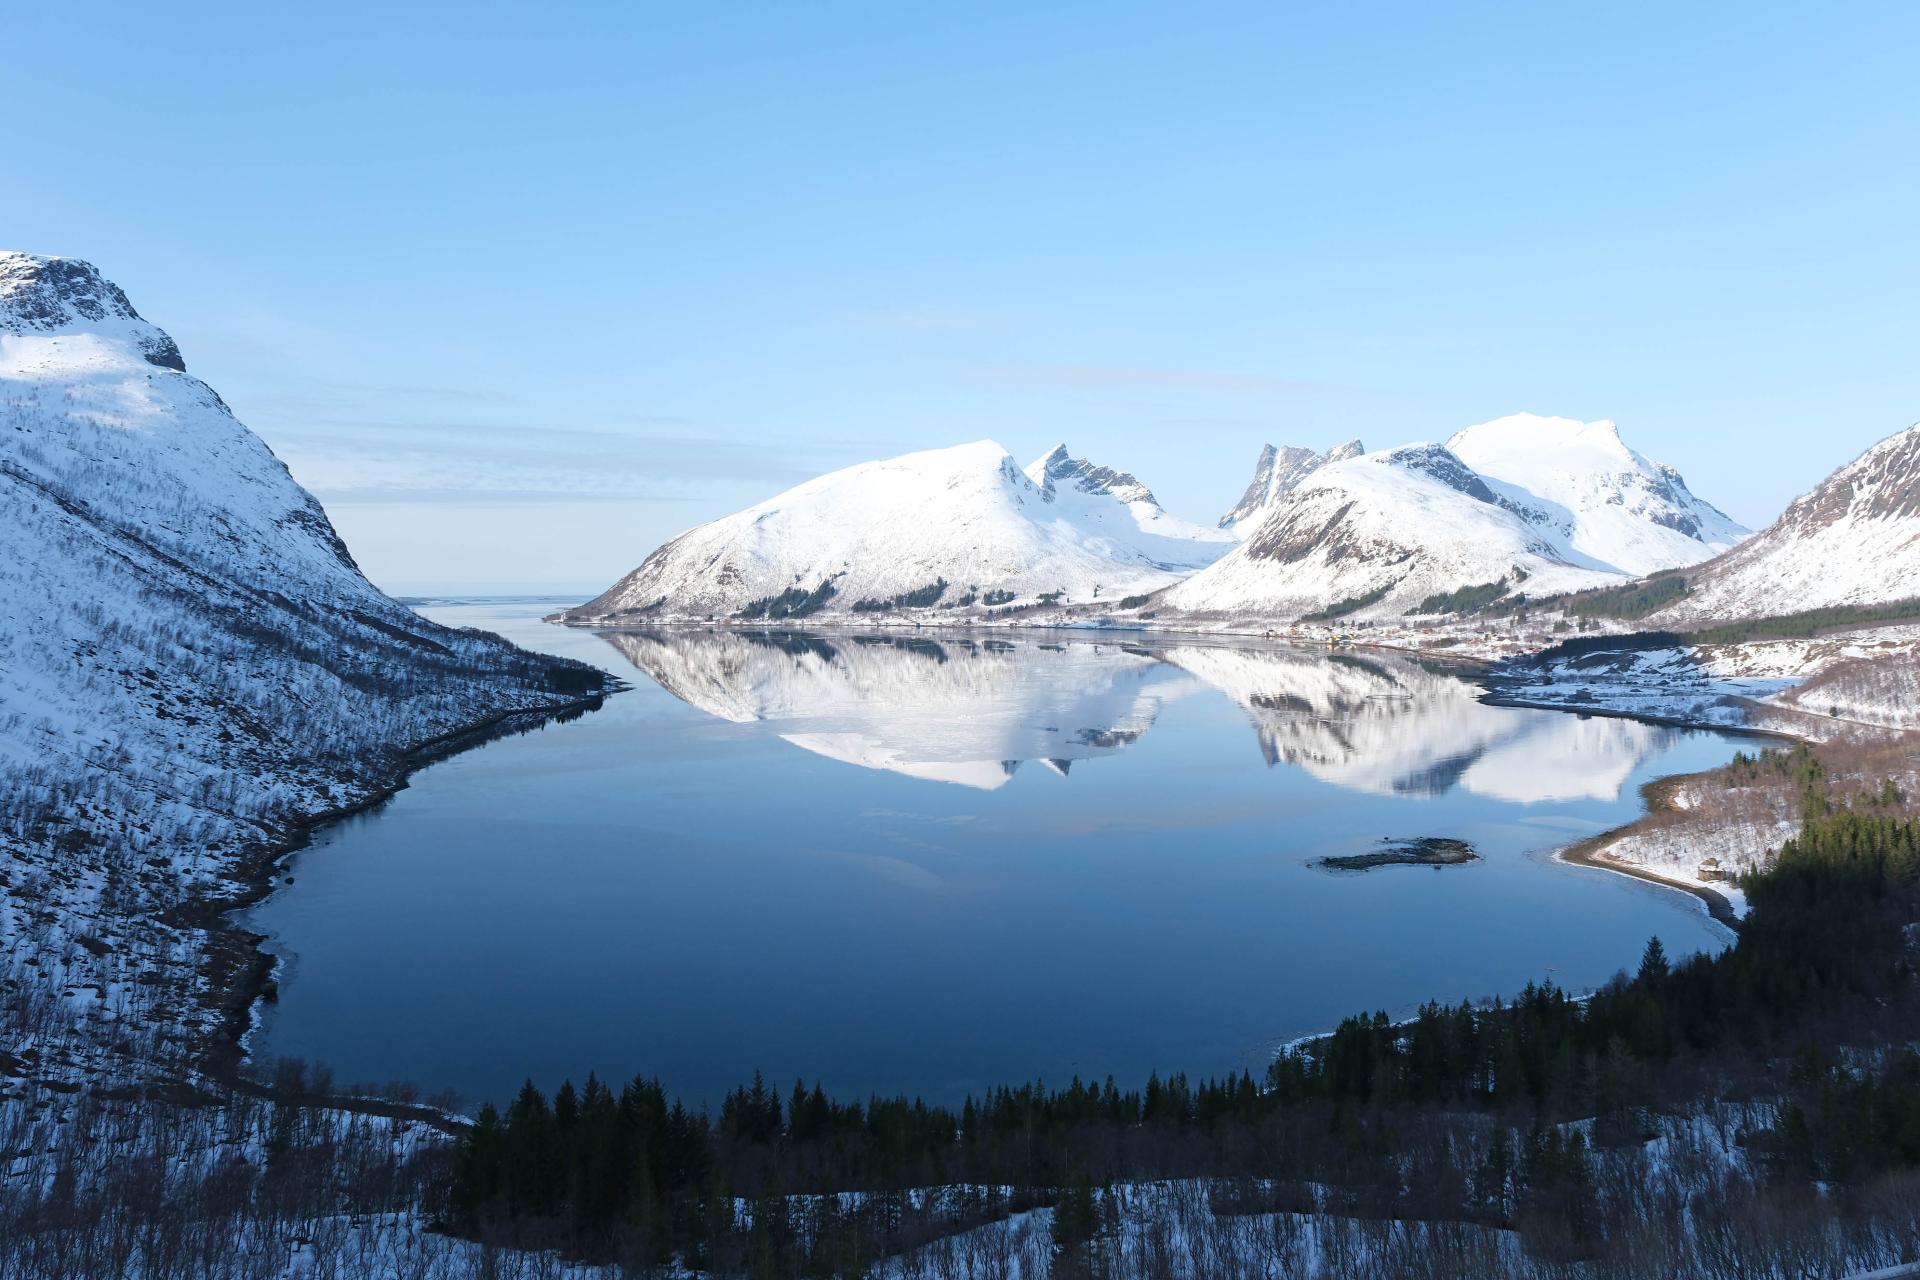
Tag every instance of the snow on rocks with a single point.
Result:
(190, 664)
(1277, 473)
(1551, 503)
(1854, 539)
(1602, 503)
(1378, 535)
(1664, 683)
(949, 535)
(949, 532)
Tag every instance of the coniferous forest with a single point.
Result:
(1488, 1115)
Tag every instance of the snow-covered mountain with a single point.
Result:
(948, 529)
(1552, 503)
(1601, 503)
(1096, 497)
(1853, 540)
(1380, 534)
(1275, 475)
(190, 661)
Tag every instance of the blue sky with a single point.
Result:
(522, 291)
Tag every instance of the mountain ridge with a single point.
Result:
(1852, 539)
(1277, 473)
(955, 528)
(191, 664)
(1557, 504)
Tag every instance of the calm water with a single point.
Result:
(929, 864)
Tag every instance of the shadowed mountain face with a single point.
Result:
(971, 709)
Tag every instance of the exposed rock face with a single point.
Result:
(1853, 540)
(1551, 502)
(41, 294)
(1378, 534)
(1060, 469)
(946, 530)
(1277, 473)
(1604, 504)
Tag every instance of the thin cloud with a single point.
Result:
(484, 497)
(365, 462)
(1097, 377)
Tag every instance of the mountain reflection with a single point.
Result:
(970, 709)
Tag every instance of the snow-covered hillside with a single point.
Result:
(951, 529)
(1089, 496)
(190, 663)
(1549, 502)
(1379, 534)
(1853, 540)
(1601, 503)
(1277, 474)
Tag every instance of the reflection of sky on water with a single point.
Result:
(1120, 884)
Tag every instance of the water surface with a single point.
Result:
(930, 863)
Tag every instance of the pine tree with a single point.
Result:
(1653, 963)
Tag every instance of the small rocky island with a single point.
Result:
(1421, 851)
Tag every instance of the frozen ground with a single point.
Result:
(191, 666)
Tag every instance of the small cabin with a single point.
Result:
(1710, 869)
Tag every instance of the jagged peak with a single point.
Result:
(1883, 482)
(1275, 474)
(1058, 467)
(1437, 462)
(44, 293)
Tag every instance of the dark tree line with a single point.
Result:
(1823, 953)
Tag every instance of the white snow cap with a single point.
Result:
(41, 294)
(943, 526)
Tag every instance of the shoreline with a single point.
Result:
(1658, 797)
(248, 969)
(1496, 699)
(1581, 853)
(1115, 634)
(241, 970)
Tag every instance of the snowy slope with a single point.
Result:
(1276, 474)
(1095, 497)
(967, 517)
(1601, 503)
(1376, 535)
(189, 659)
(1852, 540)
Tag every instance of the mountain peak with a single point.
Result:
(1439, 463)
(1057, 467)
(41, 293)
(1535, 431)
(1853, 539)
(1276, 473)
(962, 528)
(1581, 484)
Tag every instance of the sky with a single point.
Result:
(520, 292)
